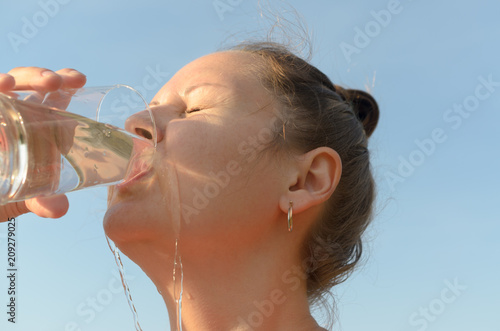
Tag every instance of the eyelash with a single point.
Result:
(192, 110)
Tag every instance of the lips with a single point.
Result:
(139, 165)
(138, 168)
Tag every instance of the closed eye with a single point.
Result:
(192, 110)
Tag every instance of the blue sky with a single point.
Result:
(432, 250)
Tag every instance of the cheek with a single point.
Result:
(221, 188)
(199, 149)
(207, 163)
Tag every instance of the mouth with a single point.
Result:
(140, 167)
(138, 172)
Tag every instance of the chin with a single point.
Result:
(127, 222)
(120, 225)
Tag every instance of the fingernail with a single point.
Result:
(48, 73)
(74, 72)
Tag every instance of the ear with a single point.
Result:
(317, 176)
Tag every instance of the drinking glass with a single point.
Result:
(72, 139)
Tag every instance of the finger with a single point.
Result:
(59, 99)
(7, 82)
(33, 78)
(71, 78)
(49, 207)
(13, 209)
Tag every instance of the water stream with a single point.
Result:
(119, 263)
(173, 194)
(170, 191)
(178, 298)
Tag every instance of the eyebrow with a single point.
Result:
(191, 88)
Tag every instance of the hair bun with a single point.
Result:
(364, 105)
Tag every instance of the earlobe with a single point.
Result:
(318, 176)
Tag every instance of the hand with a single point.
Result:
(43, 81)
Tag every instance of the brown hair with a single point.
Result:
(317, 113)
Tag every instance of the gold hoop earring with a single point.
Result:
(290, 215)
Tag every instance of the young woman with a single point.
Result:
(261, 182)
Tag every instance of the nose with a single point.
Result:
(141, 124)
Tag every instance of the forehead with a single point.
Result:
(234, 70)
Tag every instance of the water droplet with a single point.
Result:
(95, 167)
(107, 133)
(86, 154)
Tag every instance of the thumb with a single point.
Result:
(49, 207)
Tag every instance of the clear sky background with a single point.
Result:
(433, 249)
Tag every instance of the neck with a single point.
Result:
(240, 291)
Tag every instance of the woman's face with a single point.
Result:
(210, 176)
